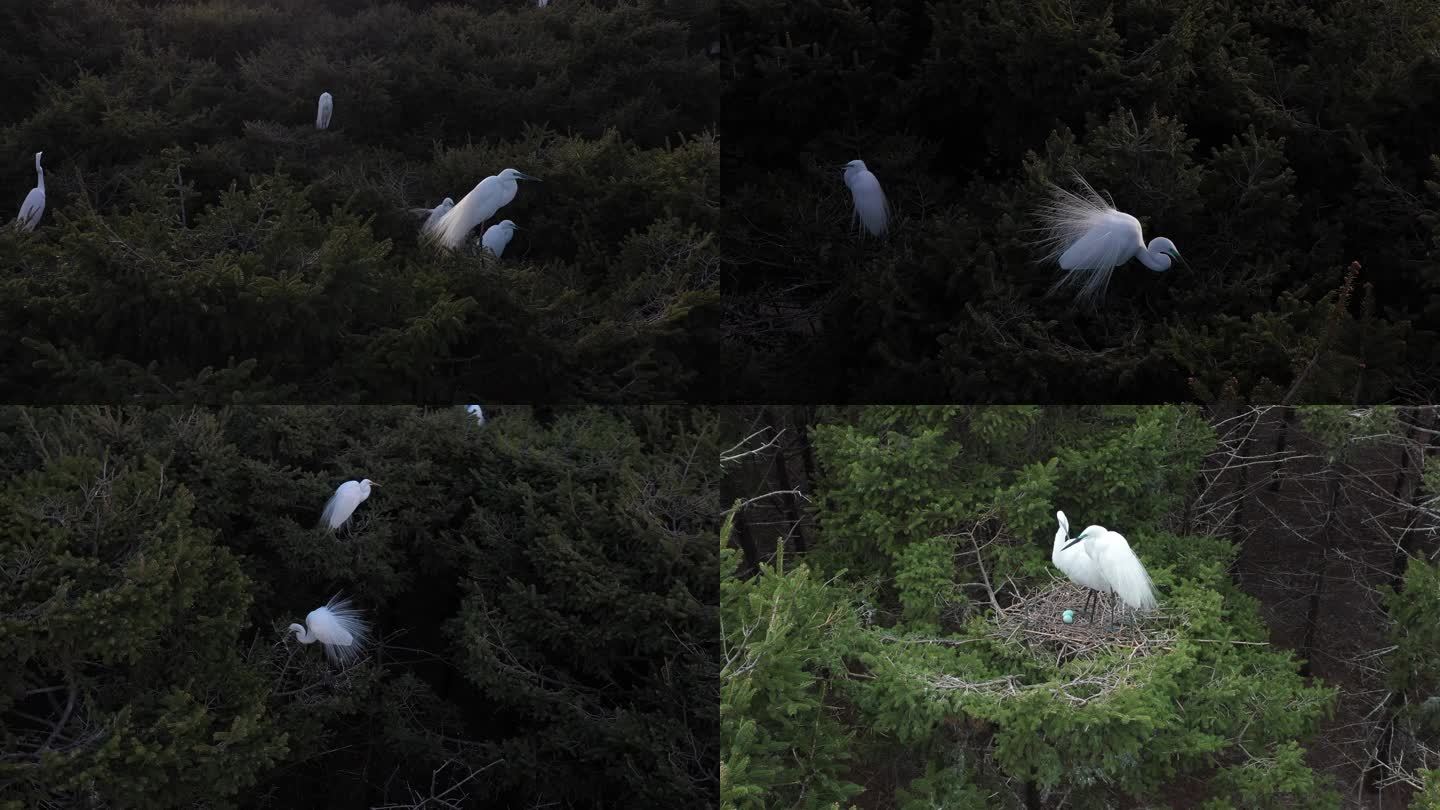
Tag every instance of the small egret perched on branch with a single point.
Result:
(498, 236)
(433, 215)
(322, 116)
(338, 627)
(1117, 565)
(1090, 239)
(343, 503)
(1077, 565)
(34, 206)
(871, 207)
(474, 410)
(488, 196)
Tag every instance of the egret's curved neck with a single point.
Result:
(302, 634)
(1159, 262)
(40, 173)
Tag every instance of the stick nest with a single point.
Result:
(1035, 622)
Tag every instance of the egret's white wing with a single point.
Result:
(437, 212)
(31, 210)
(1112, 240)
(341, 505)
(871, 207)
(479, 205)
(1078, 566)
(329, 511)
(340, 628)
(1127, 577)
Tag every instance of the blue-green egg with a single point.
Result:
(1068, 616)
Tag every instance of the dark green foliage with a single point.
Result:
(542, 591)
(1275, 142)
(201, 236)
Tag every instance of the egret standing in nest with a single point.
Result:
(1077, 565)
(1117, 566)
(1089, 238)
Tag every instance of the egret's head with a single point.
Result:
(854, 166)
(1165, 247)
(1090, 532)
(37, 159)
(448, 203)
(516, 174)
(508, 225)
(367, 483)
(299, 631)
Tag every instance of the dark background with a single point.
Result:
(201, 239)
(1274, 142)
(541, 590)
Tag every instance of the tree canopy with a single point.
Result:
(894, 638)
(541, 589)
(202, 237)
(1285, 146)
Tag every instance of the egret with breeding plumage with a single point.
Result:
(1090, 238)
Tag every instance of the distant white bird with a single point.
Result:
(1077, 565)
(322, 116)
(542, 3)
(338, 627)
(1089, 238)
(497, 236)
(433, 215)
(477, 207)
(475, 411)
(871, 207)
(1121, 570)
(34, 206)
(343, 503)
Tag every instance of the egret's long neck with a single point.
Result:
(40, 173)
(1159, 262)
(302, 634)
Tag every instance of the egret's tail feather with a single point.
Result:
(1132, 583)
(873, 214)
(348, 617)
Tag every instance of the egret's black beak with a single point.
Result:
(1071, 543)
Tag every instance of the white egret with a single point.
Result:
(338, 627)
(542, 3)
(343, 503)
(34, 206)
(497, 236)
(1089, 238)
(1077, 565)
(474, 410)
(322, 116)
(433, 215)
(871, 207)
(1121, 570)
(475, 208)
